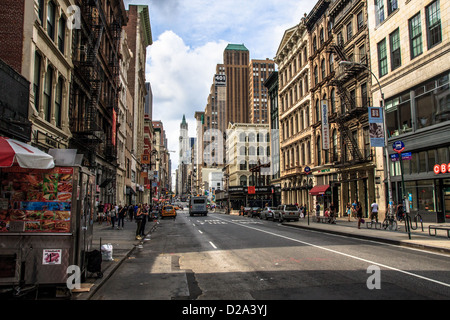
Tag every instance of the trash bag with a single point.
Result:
(107, 251)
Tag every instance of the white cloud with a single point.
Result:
(189, 39)
(180, 77)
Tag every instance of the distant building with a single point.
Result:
(259, 71)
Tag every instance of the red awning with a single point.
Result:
(319, 190)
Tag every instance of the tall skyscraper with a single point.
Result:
(236, 60)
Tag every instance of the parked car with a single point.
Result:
(267, 213)
(286, 212)
(255, 211)
(247, 211)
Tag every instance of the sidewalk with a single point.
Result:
(124, 243)
(419, 239)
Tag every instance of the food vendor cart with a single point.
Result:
(46, 216)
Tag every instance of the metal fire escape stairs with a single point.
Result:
(347, 107)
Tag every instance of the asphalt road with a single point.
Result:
(223, 257)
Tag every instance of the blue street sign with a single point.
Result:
(398, 146)
(307, 170)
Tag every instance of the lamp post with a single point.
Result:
(388, 173)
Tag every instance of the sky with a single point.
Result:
(189, 37)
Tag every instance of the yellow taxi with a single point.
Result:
(168, 211)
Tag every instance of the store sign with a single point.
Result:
(441, 168)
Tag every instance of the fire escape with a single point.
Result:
(99, 70)
(349, 110)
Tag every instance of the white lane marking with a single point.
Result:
(200, 231)
(345, 254)
(212, 244)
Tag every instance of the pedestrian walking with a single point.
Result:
(100, 213)
(317, 211)
(107, 210)
(349, 211)
(121, 216)
(138, 218)
(332, 213)
(113, 213)
(374, 214)
(144, 221)
(130, 212)
(359, 214)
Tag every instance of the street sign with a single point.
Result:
(405, 156)
(398, 146)
(307, 170)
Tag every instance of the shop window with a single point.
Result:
(433, 105)
(442, 155)
(422, 161)
(398, 115)
(431, 159)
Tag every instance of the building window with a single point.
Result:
(37, 80)
(316, 76)
(382, 58)
(364, 97)
(322, 66)
(432, 102)
(61, 34)
(331, 62)
(415, 36)
(379, 11)
(394, 39)
(333, 100)
(392, 6)
(41, 11)
(398, 115)
(317, 111)
(349, 31)
(314, 44)
(360, 20)
(434, 34)
(366, 142)
(353, 99)
(48, 94)
(51, 14)
(319, 152)
(58, 102)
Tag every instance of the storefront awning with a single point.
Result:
(319, 190)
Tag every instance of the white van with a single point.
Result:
(197, 205)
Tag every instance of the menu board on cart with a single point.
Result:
(36, 201)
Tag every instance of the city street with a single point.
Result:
(226, 257)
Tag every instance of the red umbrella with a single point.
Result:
(14, 151)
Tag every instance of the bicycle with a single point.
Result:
(389, 223)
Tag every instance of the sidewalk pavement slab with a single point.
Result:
(124, 243)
